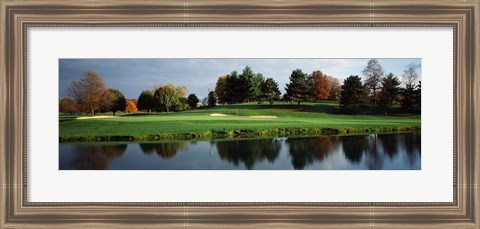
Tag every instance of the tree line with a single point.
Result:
(90, 95)
(378, 89)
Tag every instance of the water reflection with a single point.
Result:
(98, 157)
(165, 150)
(353, 147)
(373, 152)
(305, 151)
(248, 152)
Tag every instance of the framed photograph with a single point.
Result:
(264, 114)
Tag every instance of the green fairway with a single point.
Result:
(310, 118)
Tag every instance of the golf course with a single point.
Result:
(248, 120)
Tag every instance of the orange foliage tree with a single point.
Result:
(321, 85)
(335, 88)
(67, 105)
(131, 107)
(88, 92)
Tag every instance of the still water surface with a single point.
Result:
(365, 152)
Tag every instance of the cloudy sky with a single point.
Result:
(132, 76)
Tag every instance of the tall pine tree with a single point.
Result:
(299, 88)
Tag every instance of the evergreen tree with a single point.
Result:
(389, 91)
(299, 88)
(270, 90)
(412, 97)
(353, 92)
(246, 85)
(233, 90)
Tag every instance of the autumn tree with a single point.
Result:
(373, 73)
(270, 91)
(165, 97)
(335, 88)
(321, 85)
(221, 89)
(134, 101)
(389, 91)
(192, 101)
(353, 92)
(115, 101)
(131, 107)
(212, 99)
(181, 103)
(146, 101)
(67, 105)
(298, 89)
(88, 92)
(169, 97)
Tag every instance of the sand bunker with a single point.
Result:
(95, 117)
(264, 116)
(219, 115)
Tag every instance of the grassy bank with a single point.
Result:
(309, 119)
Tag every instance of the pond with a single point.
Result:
(363, 152)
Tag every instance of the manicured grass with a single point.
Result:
(310, 118)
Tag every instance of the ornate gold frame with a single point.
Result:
(17, 16)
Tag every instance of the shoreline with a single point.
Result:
(244, 133)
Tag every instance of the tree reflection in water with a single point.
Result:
(165, 150)
(305, 151)
(249, 152)
(96, 157)
(375, 149)
(412, 145)
(386, 151)
(353, 147)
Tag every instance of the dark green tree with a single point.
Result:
(146, 101)
(115, 101)
(270, 90)
(389, 91)
(353, 92)
(246, 84)
(411, 95)
(255, 92)
(299, 87)
(192, 101)
(212, 99)
(233, 94)
(418, 96)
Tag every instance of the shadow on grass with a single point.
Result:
(325, 107)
